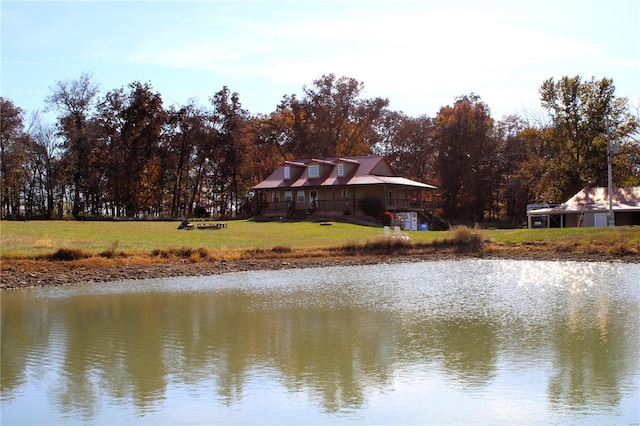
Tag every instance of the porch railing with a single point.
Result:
(286, 207)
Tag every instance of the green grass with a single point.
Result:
(40, 237)
(578, 235)
(37, 238)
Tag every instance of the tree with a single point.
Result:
(43, 153)
(332, 120)
(269, 137)
(510, 184)
(74, 101)
(144, 117)
(132, 124)
(12, 158)
(408, 144)
(187, 133)
(230, 122)
(581, 113)
(464, 149)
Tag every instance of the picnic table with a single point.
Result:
(212, 225)
(185, 224)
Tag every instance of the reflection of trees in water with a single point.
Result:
(334, 354)
(24, 335)
(132, 346)
(593, 346)
(115, 347)
(468, 348)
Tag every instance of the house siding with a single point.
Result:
(363, 178)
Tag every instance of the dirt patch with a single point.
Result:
(41, 273)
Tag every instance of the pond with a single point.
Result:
(456, 342)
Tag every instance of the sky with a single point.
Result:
(418, 54)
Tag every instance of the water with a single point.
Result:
(456, 342)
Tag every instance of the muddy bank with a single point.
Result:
(31, 273)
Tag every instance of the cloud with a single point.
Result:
(418, 52)
(404, 52)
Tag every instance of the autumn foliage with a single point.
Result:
(125, 154)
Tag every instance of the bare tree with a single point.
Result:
(44, 158)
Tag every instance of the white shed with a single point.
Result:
(590, 207)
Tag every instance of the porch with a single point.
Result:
(331, 203)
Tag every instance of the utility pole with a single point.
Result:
(611, 221)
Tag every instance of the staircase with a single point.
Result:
(436, 223)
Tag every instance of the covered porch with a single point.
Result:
(325, 203)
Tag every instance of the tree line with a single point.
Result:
(124, 154)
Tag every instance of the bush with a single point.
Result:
(195, 255)
(463, 240)
(69, 254)
(281, 249)
(391, 244)
(386, 218)
(111, 251)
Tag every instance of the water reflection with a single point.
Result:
(332, 338)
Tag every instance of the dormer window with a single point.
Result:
(340, 169)
(287, 172)
(314, 171)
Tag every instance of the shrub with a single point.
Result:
(386, 218)
(391, 244)
(159, 253)
(463, 240)
(69, 254)
(281, 249)
(111, 251)
(195, 255)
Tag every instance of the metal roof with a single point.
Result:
(596, 200)
(365, 170)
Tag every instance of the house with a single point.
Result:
(590, 207)
(321, 189)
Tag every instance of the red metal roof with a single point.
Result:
(366, 170)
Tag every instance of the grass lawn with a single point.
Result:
(33, 238)
(581, 236)
(40, 237)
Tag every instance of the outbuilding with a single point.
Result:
(589, 208)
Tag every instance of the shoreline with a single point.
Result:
(24, 273)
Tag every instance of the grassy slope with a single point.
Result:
(35, 238)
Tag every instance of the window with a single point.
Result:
(301, 196)
(275, 196)
(288, 196)
(287, 172)
(313, 194)
(345, 193)
(314, 171)
(340, 169)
